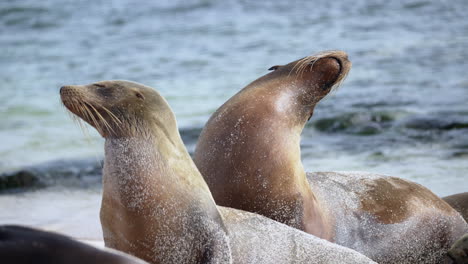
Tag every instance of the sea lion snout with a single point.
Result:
(67, 92)
(330, 69)
(63, 89)
(331, 64)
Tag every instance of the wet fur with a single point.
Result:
(249, 154)
(148, 206)
(157, 206)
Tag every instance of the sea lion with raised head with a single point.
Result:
(156, 205)
(24, 245)
(459, 202)
(249, 154)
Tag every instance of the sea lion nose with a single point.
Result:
(63, 89)
(331, 65)
(328, 71)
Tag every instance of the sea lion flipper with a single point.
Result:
(458, 253)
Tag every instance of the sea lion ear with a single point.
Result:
(139, 95)
(274, 68)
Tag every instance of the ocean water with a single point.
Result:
(402, 111)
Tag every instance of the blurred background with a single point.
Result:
(402, 111)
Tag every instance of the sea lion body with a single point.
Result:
(459, 202)
(249, 154)
(23, 245)
(258, 239)
(388, 219)
(157, 206)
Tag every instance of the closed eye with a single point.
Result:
(274, 68)
(103, 90)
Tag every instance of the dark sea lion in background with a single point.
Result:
(156, 204)
(23, 245)
(459, 202)
(249, 154)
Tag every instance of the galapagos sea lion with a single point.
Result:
(148, 209)
(249, 154)
(459, 202)
(156, 205)
(23, 245)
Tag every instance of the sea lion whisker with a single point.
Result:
(83, 110)
(302, 64)
(80, 123)
(293, 68)
(126, 124)
(74, 104)
(104, 121)
(75, 119)
(112, 115)
(309, 61)
(93, 118)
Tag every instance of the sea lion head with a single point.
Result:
(321, 71)
(299, 85)
(118, 108)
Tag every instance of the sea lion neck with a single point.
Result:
(263, 114)
(150, 162)
(288, 100)
(144, 184)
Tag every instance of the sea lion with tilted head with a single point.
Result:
(156, 205)
(24, 245)
(249, 154)
(459, 202)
